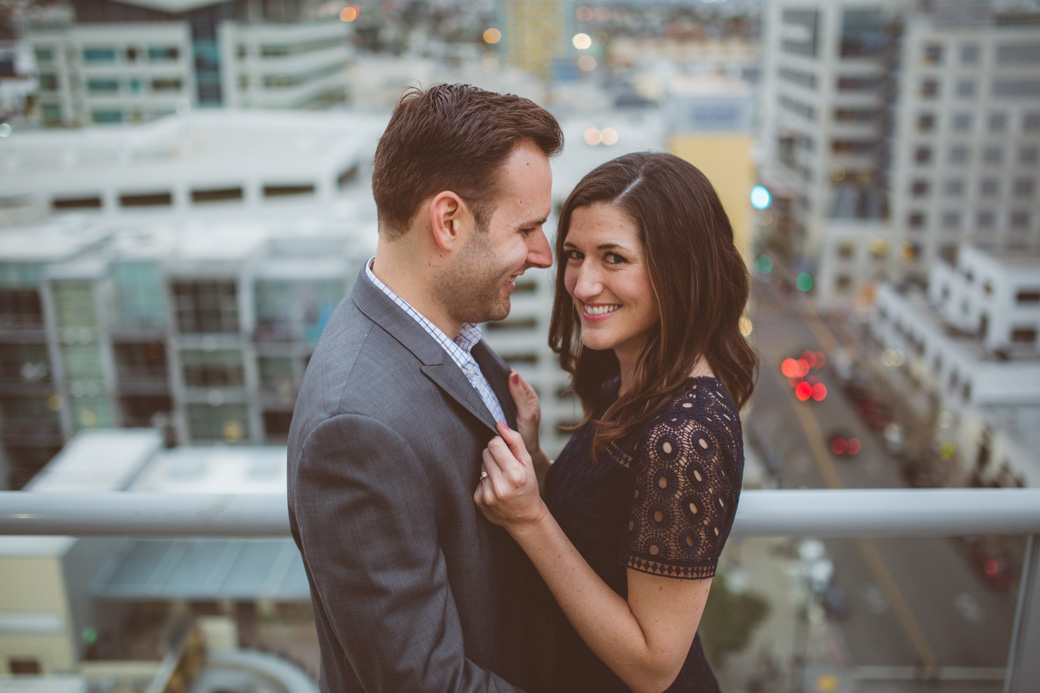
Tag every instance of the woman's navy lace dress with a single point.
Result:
(661, 502)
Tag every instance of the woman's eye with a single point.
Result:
(573, 255)
(614, 259)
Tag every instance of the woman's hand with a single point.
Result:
(528, 412)
(508, 496)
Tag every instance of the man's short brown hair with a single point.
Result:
(452, 137)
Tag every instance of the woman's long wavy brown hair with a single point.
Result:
(699, 278)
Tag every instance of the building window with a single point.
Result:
(916, 220)
(206, 307)
(44, 55)
(986, 219)
(106, 116)
(141, 362)
(954, 187)
(166, 84)
(958, 155)
(20, 309)
(1018, 54)
(1024, 187)
(88, 202)
(1028, 154)
(923, 155)
(926, 122)
(140, 298)
(842, 284)
(993, 154)
(131, 54)
(1027, 296)
(847, 251)
(951, 220)
(961, 122)
(1020, 220)
(989, 187)
(920, 188)
(229, 423)
(929, 89)
(862, 34)
(966, 88)
(24, 665)
(1031, 122)
(140, 411)
(849, 83)
(969, 54)
(149, 199)
(216, 195)
(48, 82)
(1023, 335)
(997, 122)
(1016, 88)
(99, 55)
(288, 190)
(51, 114)
(163, 53)
(933, 54)
(103, 86)
(213, 369)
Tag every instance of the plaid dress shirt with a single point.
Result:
(458, 349)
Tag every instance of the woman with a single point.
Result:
(649, 293)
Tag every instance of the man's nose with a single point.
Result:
(539, 254)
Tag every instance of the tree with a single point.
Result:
(730, 617)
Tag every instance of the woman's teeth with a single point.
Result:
(601, 310)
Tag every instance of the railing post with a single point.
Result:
(1023, 668)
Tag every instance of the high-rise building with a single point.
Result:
(114, 61)
(183, 279)
(896, 132)
(533, 33)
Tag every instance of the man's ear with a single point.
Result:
(449, 217)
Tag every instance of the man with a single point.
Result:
(412, 589)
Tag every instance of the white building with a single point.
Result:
(895, 132)
(96, 613)
(970, 345)
(137, 60)
(206, 161)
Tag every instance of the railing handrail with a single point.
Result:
(828, 513)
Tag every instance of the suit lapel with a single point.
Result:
(436, 364)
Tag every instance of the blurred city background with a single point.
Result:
(185, 197)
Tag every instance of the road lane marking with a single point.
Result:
(877, 566)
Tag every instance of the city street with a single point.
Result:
(910, 602)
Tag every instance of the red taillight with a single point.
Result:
(803, 391)
(839, 446)
(992, 567)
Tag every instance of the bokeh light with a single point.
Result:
(582, 41)
(5, 129)
(610, 136)
(764, 264)
(819, 392)
(587, 63)
(593, 136)
(492, 36)
(350, 13)
(803, 281)
(760, 197)
(746, 326)
(803, 391)
(583, 13)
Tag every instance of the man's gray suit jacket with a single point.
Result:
(413, 590)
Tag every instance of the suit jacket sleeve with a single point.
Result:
(376, 563)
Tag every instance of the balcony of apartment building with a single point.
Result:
(182, 570)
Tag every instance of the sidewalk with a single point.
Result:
(768, 567)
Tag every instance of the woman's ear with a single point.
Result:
(448, 218)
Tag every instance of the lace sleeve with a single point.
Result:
(687, 482)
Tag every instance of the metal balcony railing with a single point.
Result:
(844, 513)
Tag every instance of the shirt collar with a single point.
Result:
(467, 337)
